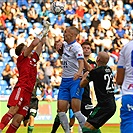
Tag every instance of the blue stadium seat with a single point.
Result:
(38, 92)
(2, 66)
(45, 55)
(9, 26)
(66, 24)
(39, 25)
(87, 16)
(30, 25)
(128, 8)
(7, 92)
(3, 83)
(12, 64)
(7, 57)
(52, 18)
(2, 47)
(37, 7)
(56, 55)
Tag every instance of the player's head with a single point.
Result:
(70, 34)
(21, 47)
(86, 48)
(102, 58)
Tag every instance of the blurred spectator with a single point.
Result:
(125, 39)
(7, 74)
(115, 22)
(52, 59)
(123, 20)
(48, 69)
(22, 2)
(120, 31)
(6, 8)
(70, 13)
(43, 79)
(2, 20)
(13, 80)
(95, 21)
(43, 15)
(129, 31)
(106, 23)
(107, 43)
(10, 40)
(49, 96)
(15, 33)
(35, 30)
(58, 67)
(24, 10)
(1, 56)
(48, 4)
(104, 7)
(21, 38)
(98, 44)
(55, 80)
(21, 22)
(93, 8)
(49, 47)
(60, 22)
(84, 34)
(56, 30)
(118, 11)
(32, 15)
(80, 11)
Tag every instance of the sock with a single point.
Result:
(64, 121)
(87, 130)
(5, 120)
(12, 129)
(80, 117)
(30, 129)
(56, 124)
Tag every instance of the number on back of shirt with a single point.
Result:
(109, 78)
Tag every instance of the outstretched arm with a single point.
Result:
(87, 66)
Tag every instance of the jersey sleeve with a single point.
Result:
(79, 52)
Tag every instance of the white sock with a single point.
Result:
(64, 121)
(80, 117)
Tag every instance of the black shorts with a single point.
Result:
(86, 109)
(102, 113)
(32, 108)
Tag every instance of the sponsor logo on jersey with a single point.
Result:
(25, 108)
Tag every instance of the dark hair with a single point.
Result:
(86, 43)
(19, 48)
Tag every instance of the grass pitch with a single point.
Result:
(47, 129)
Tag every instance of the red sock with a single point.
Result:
(5, 120)
(12, 129)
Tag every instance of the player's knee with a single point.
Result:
(13, 110)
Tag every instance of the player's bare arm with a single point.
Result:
(40, 46)
(84, 80)
(120, 76)
(87, 66)
(80, 70)
(29, 49)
